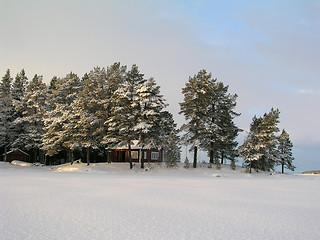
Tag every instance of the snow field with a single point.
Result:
(111, 202)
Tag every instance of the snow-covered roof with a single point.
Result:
(134, 145)
(15, 150)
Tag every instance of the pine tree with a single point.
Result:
(250, 149)
(221, 131)
(18, 93)
(124, 112)
(167, 127)
(19, 88)
(63, 93)
(209, 108)
(34, 105)
(115, 79)
(259, 148)
(149, 103)
(285, 151)
(89, 113)
(173, 150)
(268, 140)
(6, 112)
(194, 109)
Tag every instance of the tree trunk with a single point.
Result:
(71, 156)
(195, 151)
(109, 156)
(160, 159)
(5, 153)
(130, 158)
(88, 156)
(211, 153)
(142, 159)
(222, 157)
(35, 155)
(250, 166)
(282, 167)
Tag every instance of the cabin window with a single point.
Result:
(154, 155)
(134, 154)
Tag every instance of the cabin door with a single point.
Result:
(121, 156)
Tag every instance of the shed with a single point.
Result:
(17, 154)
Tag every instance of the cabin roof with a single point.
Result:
(16, 150)
(134, 146)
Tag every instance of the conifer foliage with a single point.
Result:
(263, 149)
(285, 151)
(112, 107)
(6, 111)
(209, 110)
(107, 107)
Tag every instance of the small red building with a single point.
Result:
(121, 154)
(17, 155)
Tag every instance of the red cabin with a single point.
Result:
(17, 155)
(121, 154)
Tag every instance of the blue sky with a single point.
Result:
(266, 51)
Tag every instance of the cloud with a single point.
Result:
(308, 92)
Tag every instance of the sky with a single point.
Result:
(266, 51)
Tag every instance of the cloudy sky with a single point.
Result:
(267, 51)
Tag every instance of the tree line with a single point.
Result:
(112, 106)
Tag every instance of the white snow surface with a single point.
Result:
(109, 201)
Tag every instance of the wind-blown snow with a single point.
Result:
(109, 201)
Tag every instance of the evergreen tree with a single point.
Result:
(194, 109)
(167, 127)
(173, 150)
(259, 148)
(221, 131)
(149, 103)
(89, 112)
(209, 108)
(250, 149)
(19, 88)
(18, 93)
(63, 93)
(124, 112)
(6, 112)
(116, 75)
(285, 151)
(34, 105)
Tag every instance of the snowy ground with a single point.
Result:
(112, 202)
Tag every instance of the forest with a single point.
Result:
(85, 118)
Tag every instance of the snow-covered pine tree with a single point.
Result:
(285, 151)
(167, 127)
(58, 130)
(149, 104)
(18, 92)
(221, 131)
(250, 149)
(88, 112)
(268, 140)
(116, 75)
(259, 148)
(124, 112)
(173, 150)
(194, 109)
(6, 112)
(34, 104)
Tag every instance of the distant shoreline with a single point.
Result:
(312, 172)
